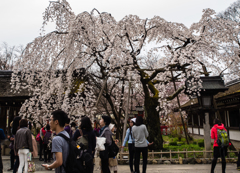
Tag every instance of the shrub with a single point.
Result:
(201, 142)
(183, 140)
(194, 142)
(174, 139)
(180, 143)
(173, 143)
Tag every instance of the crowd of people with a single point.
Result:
(56, 137)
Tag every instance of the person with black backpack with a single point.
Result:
(86, 139)
(47, 150)
(60, 146)
(221, 142)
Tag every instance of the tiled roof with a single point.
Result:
(5, 86)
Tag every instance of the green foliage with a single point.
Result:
(166, 138)
(180, 143)
(194, 142)
(201, 142)
(183, 139)
(183, 147)
(173, 143)
(174, 139)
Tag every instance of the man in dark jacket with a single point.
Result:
(2, 137)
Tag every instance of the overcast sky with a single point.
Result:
(21, 20)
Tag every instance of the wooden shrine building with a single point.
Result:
(10, 102)
(226, 103)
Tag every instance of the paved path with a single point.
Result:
(198, 168)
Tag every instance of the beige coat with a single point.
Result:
(35, 148)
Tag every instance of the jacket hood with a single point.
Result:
(219, 126)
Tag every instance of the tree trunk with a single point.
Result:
(153, 123)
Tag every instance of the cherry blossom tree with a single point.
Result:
(9, 55)
(232, 16)
(109, 49)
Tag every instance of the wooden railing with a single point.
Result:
(152, 154)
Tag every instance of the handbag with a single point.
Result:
(100, 143)
(29, 157)
(31, 167)
(112, 162)
(113, 149)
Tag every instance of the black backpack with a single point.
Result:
(113, 150)
(72, 165)
(86, 162)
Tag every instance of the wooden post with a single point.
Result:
(207, 138)
(170, 154)
(161, 154)
(186, 154)
(194, 154)
(178, 153)
(153, 154)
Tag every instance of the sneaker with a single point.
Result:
(10, 169)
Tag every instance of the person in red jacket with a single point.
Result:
(218, 151)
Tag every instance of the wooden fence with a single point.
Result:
(163, 154)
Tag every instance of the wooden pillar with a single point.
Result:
(207, 138)
(192, 124)
(199, 124)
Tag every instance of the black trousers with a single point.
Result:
(12, 157)
(219, 152)
(40, 149)
(238, 162)
(47, 153)
(1, 164)
(138, 151)
(131, 151)
(16, 164)
(104, 160)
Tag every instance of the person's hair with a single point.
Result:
(73, 124)
(48, 127)
(68, 121)
(15, 125)
(86, 124)
(139, 121)
(131, 127)
(61, 116)
(23, 123)
(217, 121)
(29, 125)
